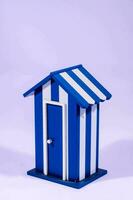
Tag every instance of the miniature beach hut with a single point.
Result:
(67, 104)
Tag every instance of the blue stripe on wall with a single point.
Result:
(88, 142)
(97, 145)
(38, 129)
(73, 138)
(54, 91)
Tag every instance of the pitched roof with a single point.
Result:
(78, 82)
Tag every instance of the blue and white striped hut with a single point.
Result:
(67, 127)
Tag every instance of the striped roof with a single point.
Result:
(80, 83)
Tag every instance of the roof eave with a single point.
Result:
(42, 82)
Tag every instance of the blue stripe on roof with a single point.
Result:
(95, 82)
(84, 86)
(66, 86)
(42, 82)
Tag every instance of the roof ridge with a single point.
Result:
(66, 69)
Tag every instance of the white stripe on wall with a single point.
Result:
(47, 96)
(63, 98)
(89, 84)
(93, 138)
(77, 87)
(82, 143)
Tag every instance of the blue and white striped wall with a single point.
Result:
(80, 133)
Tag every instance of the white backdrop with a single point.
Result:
(39, 36)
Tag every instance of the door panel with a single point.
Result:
(54, 136)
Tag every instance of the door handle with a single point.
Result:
(49, 141)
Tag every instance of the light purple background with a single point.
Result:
(39, 36)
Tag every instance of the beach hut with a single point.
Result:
(67, 104)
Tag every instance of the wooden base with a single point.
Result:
(77, 185)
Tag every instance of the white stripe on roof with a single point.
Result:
(89, 84)
(76, 87)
